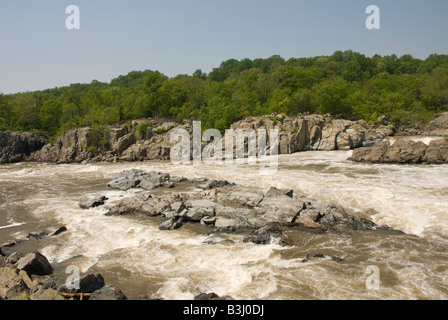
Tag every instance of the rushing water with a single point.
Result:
(132, 253)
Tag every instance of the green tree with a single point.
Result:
(333, 97)
(50, 116)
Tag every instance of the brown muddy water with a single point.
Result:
(132, 253)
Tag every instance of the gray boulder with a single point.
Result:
(35, 263)
(93, 202)
(109, 292)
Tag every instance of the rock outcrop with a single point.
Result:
(16, 147)
(262, 216)
(404, 151)
(317, 132)
(151, 139)
(127, 142)
(438, 127)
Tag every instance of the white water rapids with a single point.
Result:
(132, 253)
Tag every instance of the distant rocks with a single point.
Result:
(124, 142)
(150, 139)
(404, 151)
(16, 147)
(438, 127)
(317, 132)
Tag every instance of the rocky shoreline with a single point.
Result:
(150, 139)
(30, 277)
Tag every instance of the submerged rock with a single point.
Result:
(316, 255)
(58, 231)
(93, 202)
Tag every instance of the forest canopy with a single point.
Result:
(407, 90)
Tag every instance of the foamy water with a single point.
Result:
(140, 259)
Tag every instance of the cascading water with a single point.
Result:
(131, 251)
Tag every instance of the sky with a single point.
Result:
(37, 51)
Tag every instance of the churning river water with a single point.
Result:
(132, 253)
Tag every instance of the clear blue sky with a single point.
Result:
(180, 36)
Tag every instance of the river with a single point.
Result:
(131, 252)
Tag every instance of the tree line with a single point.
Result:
(407, 90)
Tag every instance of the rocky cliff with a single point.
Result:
(316, 132)
(151, 139)
(15, 147)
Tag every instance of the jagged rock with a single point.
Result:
(172, 224)
(274, 192)
(126, 180)
(288, 240)
(93, 203)
(11, 243)
(51, 283)
(138, 179)
(12, 285)
(16, 284)
(316, 255)
(199, 209)
(374, 154)
(109, 292)
(241, 209)
(145, 204)
(404, 151)
(438, 127)
(123, 143)
(264, 238)
(14, 257)
(240, 198)
(87, 284)
(16, 147)
(49, 294)
(35, 263)
(38, 235)
(211, 296)
(58, 231)
(213, 184)
(437, 152)
(126, 143)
